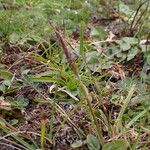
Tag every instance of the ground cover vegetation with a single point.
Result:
(74, 74)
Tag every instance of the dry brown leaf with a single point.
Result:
(4, 104)
(110, 37)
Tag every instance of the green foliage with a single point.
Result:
(129, 47)
(93, 143)
(7, 76)
(19, 102)
(116, 145)
(98, 32)
(115, 111)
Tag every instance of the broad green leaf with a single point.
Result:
(94, 32)
(116, 145)
(6, 75)
(125, 9)
(125, 46)
(99, 32)
(20, 101)
(130, 40)
(106, 65)
(93, 142)
(7, 82)
(132, 53)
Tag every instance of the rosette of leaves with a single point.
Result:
(125, 49)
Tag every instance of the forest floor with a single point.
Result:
(45, 105)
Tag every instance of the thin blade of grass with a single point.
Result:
(126, 102)
(81, 38)
(136, 118)
(43, 130)
(6, 129)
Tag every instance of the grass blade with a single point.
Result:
(82, 38)
(43, 130)
(126, 102)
